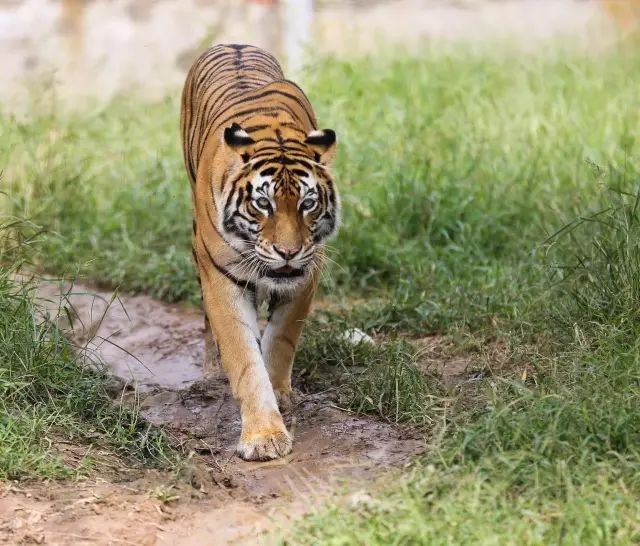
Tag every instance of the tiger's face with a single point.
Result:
(281, 205)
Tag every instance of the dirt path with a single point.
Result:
(158, 349)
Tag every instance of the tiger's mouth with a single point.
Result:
(285, 272)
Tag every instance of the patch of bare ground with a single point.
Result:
(455, 363)
(155, 354)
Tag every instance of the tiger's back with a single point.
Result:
(221, 88)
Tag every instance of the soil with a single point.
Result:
(154, 352)
(456, 365)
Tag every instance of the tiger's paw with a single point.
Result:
(264, 446)
(287, 399)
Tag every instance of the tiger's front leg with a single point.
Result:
(280, 339)
(234, 324)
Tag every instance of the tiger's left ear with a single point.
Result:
(237, 138)
(323, 143)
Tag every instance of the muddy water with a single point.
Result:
(155, 352)
(101, 47)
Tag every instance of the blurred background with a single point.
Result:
(101, 47)
(489, 170)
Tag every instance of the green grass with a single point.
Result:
(550, 460)
(449, 183)
(109, 187)
(381, 380)
(470, 506)
(488, 197)
(49, 398)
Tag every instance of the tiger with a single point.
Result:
(264, 203)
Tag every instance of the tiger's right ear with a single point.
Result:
(323, 144)
(237, 138)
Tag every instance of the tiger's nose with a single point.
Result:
(287, 252)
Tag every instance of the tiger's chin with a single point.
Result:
(285, 279)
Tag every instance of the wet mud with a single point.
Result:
(154, 352)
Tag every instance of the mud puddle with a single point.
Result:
(155, 353)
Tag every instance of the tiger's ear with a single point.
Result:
(323, 143)
(237, 138)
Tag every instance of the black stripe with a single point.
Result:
(208, 67)
(245, 218)
(270, 171)
(254, 128)
(254, 110)
(232, 192)
(259, 97)
(215, 228)
(239, 198)
(245, 285)
(275, 301)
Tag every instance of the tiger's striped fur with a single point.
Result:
(264, 201)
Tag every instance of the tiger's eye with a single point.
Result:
(263, 203)
(308, 204)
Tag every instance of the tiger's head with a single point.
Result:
(280, 202)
